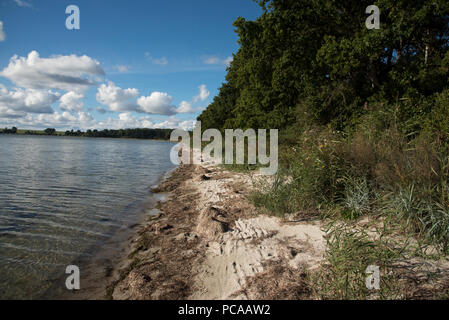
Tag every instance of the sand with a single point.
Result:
(210, 242)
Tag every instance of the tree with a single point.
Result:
(316, 59)
(50, 131)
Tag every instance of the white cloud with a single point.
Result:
(203, 95)
(2, 33)
(23, 3)
(159, 61)
(212, 60)
(122, 68)
(173, 123)
(60, 121)
(187, 125)
(217, 60)
(116, 98)
(63, 120)
(81, 120)
(184, 107)
(228, 61)
(187, 107)
(127, 120)
(71, 101)
(19, 101)
(123, 100)
(69, 73)
(157, 103)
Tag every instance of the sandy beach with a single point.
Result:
(205, 240)
(208, 242)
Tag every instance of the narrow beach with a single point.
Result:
(208, 242)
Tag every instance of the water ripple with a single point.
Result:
(61, 197)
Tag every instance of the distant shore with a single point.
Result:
(136, 133)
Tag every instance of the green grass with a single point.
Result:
(376, 172)
(348, 254)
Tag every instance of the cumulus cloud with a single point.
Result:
(71, 101)
(157, 103)
(82, 120)
(2, 33)
(116, 98)
(187, 107)
(16, 102)
(184, 107)
(159, 61)
(216, 60)
(173, 123)
(203, 95)
(160, 103)
(127, 120)
(58, 120)
(69, 73)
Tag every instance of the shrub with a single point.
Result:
(421, 213)
(349, 252)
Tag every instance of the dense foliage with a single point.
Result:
(315, 60)
(363, 114)
(13, 130)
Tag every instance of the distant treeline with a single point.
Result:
(13, 130)
(140, 133)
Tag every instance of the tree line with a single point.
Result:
(315, 61)
(13, 130)
(138, 133)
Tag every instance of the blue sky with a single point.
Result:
(132, 63)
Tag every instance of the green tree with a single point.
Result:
(315, 59)
(50, 131)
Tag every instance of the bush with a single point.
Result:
(349, 252)
(311, 178)
(422, 214)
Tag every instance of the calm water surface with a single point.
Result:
(62, 197)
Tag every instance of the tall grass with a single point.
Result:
(376, 167)
(349, 252)
(421, 214)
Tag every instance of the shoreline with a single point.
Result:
(100, 268)
(208, 241)
(205, 240)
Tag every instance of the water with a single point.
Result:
(62, 197)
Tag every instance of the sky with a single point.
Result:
(131, 64)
